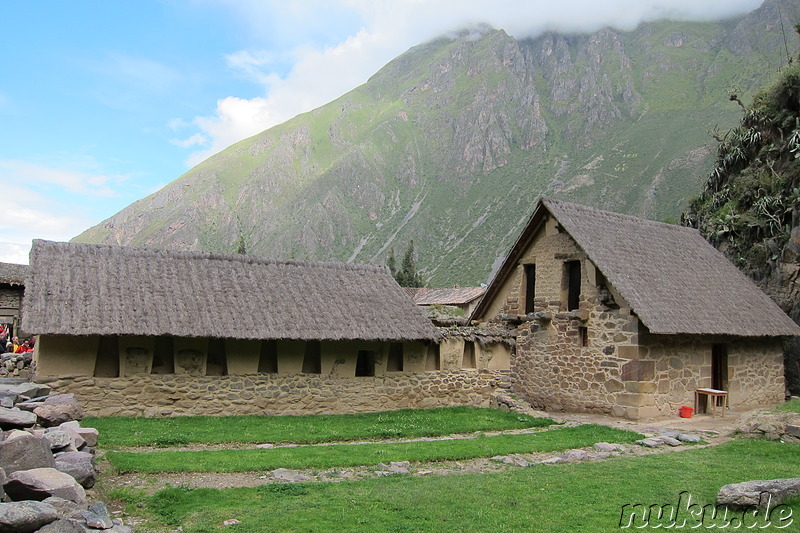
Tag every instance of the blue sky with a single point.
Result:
(102, 103)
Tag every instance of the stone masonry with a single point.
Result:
(173, 395)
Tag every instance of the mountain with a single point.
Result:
(451, 143)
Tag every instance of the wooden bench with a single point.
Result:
(711, 396)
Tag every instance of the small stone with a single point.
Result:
(231, 522)
(793, 430)
(650, 443)
(16, 418)
(265, 446)
(670, 441)
(686, 437)
(608, 447)
(284, 474)
(97, 516)
(574, 455)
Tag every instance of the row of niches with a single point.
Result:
(220, 357)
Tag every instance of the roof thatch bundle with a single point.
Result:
(83, 289)
(673, 279)
(13, 274)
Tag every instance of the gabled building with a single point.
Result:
(152, 332)
(621, 315)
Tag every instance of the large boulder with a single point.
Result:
(41, 483)
(27, 389)
(79, 465)
(24, 453)
(16, 418)
(758, 493)
(26, 517)
(58, 409)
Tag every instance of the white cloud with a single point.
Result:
(38, 176)
(388, 28)
(197, 138)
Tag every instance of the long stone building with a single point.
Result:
(617, 314)
(12, 289)
(151, 332)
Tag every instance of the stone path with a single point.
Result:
(713, 431)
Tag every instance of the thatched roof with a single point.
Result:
(672, 278)
(13, 274)
(83, 289)
(454, 296)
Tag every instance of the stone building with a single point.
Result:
(621, 315)
(151, 332)
(12, 288)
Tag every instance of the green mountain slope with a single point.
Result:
(451, 143)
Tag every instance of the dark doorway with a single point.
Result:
(719, 369)
(312, 360)
(365, 364)
(530, 288)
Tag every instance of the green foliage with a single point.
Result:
(752, 194)
(349, 455)
(306, 429)
(586, 497)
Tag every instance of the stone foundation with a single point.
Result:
(155, 395)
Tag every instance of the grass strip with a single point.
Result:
(585, 497)
(306, 429)
(344, 455)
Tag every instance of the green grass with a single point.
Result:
(792, 406)
(584, 497)
(345, 455)
(307, 429)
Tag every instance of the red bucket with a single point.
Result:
(686, 412)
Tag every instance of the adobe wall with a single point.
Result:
(155, 395)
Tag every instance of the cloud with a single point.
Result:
(197, 138)
(320, 74)
(54, 202)
(42, 177)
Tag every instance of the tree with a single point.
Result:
(392, 264)
(407, 276)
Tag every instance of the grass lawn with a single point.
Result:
(344, 455)
(583, 497)
(308, 429)
(792, 406)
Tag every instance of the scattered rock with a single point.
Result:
(265, 446)
(24, 453)
(41, 483)
(284, 474)
(686, 437)
(670, 441)
(26, 517)
(514, 459)
(79, 465)
(759, 493)
(58, 409)
(59, 439)
(64, 525)
(551, 460)
(399, 467)
(97, 516)
(793, 430)
(608, 447)
(572, 456)
(231, 522)
(16, 418)
(650, 442)
(65, 508)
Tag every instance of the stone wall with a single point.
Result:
(174, 395)
(682, 363)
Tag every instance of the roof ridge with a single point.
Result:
(143, 251)
(547, 201)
